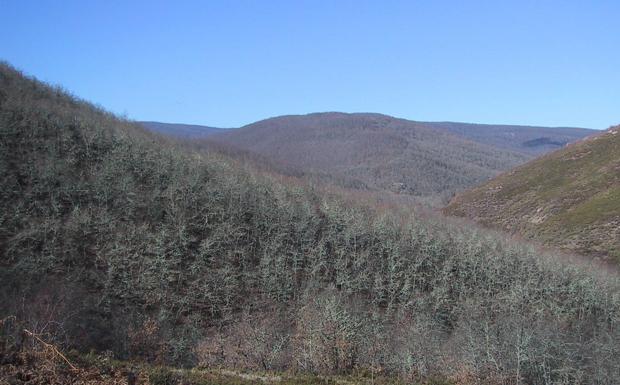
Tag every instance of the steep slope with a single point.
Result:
(528, 140)
(112, 239)
(381, 151)
(569, 198)
(184, 131)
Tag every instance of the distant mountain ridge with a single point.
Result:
(376, 151)
(384, 152)
(531, 140)
(179, 130)
(569, 198)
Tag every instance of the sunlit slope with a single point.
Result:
(569, 198)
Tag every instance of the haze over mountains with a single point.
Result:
(569, 198)
(386, 153)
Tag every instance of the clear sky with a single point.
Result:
(229, 63)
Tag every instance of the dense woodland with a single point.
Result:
(114, 239)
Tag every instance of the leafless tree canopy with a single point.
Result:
(112, 238)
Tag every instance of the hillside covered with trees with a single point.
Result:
(380, 151)
(114, 239)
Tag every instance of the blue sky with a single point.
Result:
(229, 63)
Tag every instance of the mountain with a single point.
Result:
(185, 131)
(380, 151)
(117, 245)
(569, 198)
(529, 140)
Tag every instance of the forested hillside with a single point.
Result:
(432, 160)
(569, 198)
(527, 140)
(113, 239)
(380, 151)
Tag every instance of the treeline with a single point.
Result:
(113, 239)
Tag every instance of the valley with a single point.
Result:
(121, 243)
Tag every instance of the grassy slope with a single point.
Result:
(569, 198)
(381, 151)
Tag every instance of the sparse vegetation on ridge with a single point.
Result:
(568, 199)
(112, 239)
